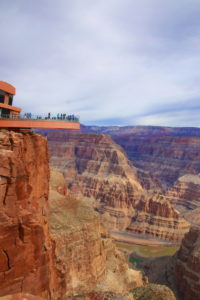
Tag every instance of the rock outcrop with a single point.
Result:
(185, 193)
(188, 265)
(98, 170)
(86, 255)
(155, 216)
(168, 158)
(26, 252)
(153, 291)
(148, 292)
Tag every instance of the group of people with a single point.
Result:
(49, 116)
(27, 115)
(66, 117)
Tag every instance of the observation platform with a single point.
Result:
(11, 117)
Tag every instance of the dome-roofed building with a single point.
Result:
(11, 117)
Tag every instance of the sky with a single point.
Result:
(112, 62)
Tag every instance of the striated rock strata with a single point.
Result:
(168, 158)
(86, 255)
(26, 252)
(188, 265)
(155, 216)
(98, 170)
(185, 193)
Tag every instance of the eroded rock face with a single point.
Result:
(188, 265)
(98, 170)
(155, 216)
(86, 255)
(167, 157)
(26, 255)
(185, 193)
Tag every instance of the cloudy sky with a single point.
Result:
(113, 62)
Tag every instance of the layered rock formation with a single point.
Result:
(86, 254)
(185, 193)
(155, 216)
(143, 130)
(96, 169)
(166, 157)
(75, 256)
(166, 152)
(26, 254)
(188, 265)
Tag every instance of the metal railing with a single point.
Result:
(29, 116)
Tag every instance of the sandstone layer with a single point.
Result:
(26, 254)
(185, 193)
(168, 158)
(155, 216)
(98, 170)
(188, 265)
(86, 255)
(165, 152)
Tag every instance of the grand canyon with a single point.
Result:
(77, 206)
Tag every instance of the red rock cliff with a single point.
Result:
(188, 265)
(25, 246)
(155, 216)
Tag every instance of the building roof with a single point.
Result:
(8, 88)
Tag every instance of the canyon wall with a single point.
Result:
(140, 130)
(26, 253)
(97, 170)
(188, 265)
(52, 250)
(86, 255)
(155, 216)
(185, 193)
(168, 158)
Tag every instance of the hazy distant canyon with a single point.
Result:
(141, 179)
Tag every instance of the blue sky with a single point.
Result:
(113, 62)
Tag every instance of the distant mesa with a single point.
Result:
(11, 117)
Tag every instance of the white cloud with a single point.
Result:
(102, 59)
